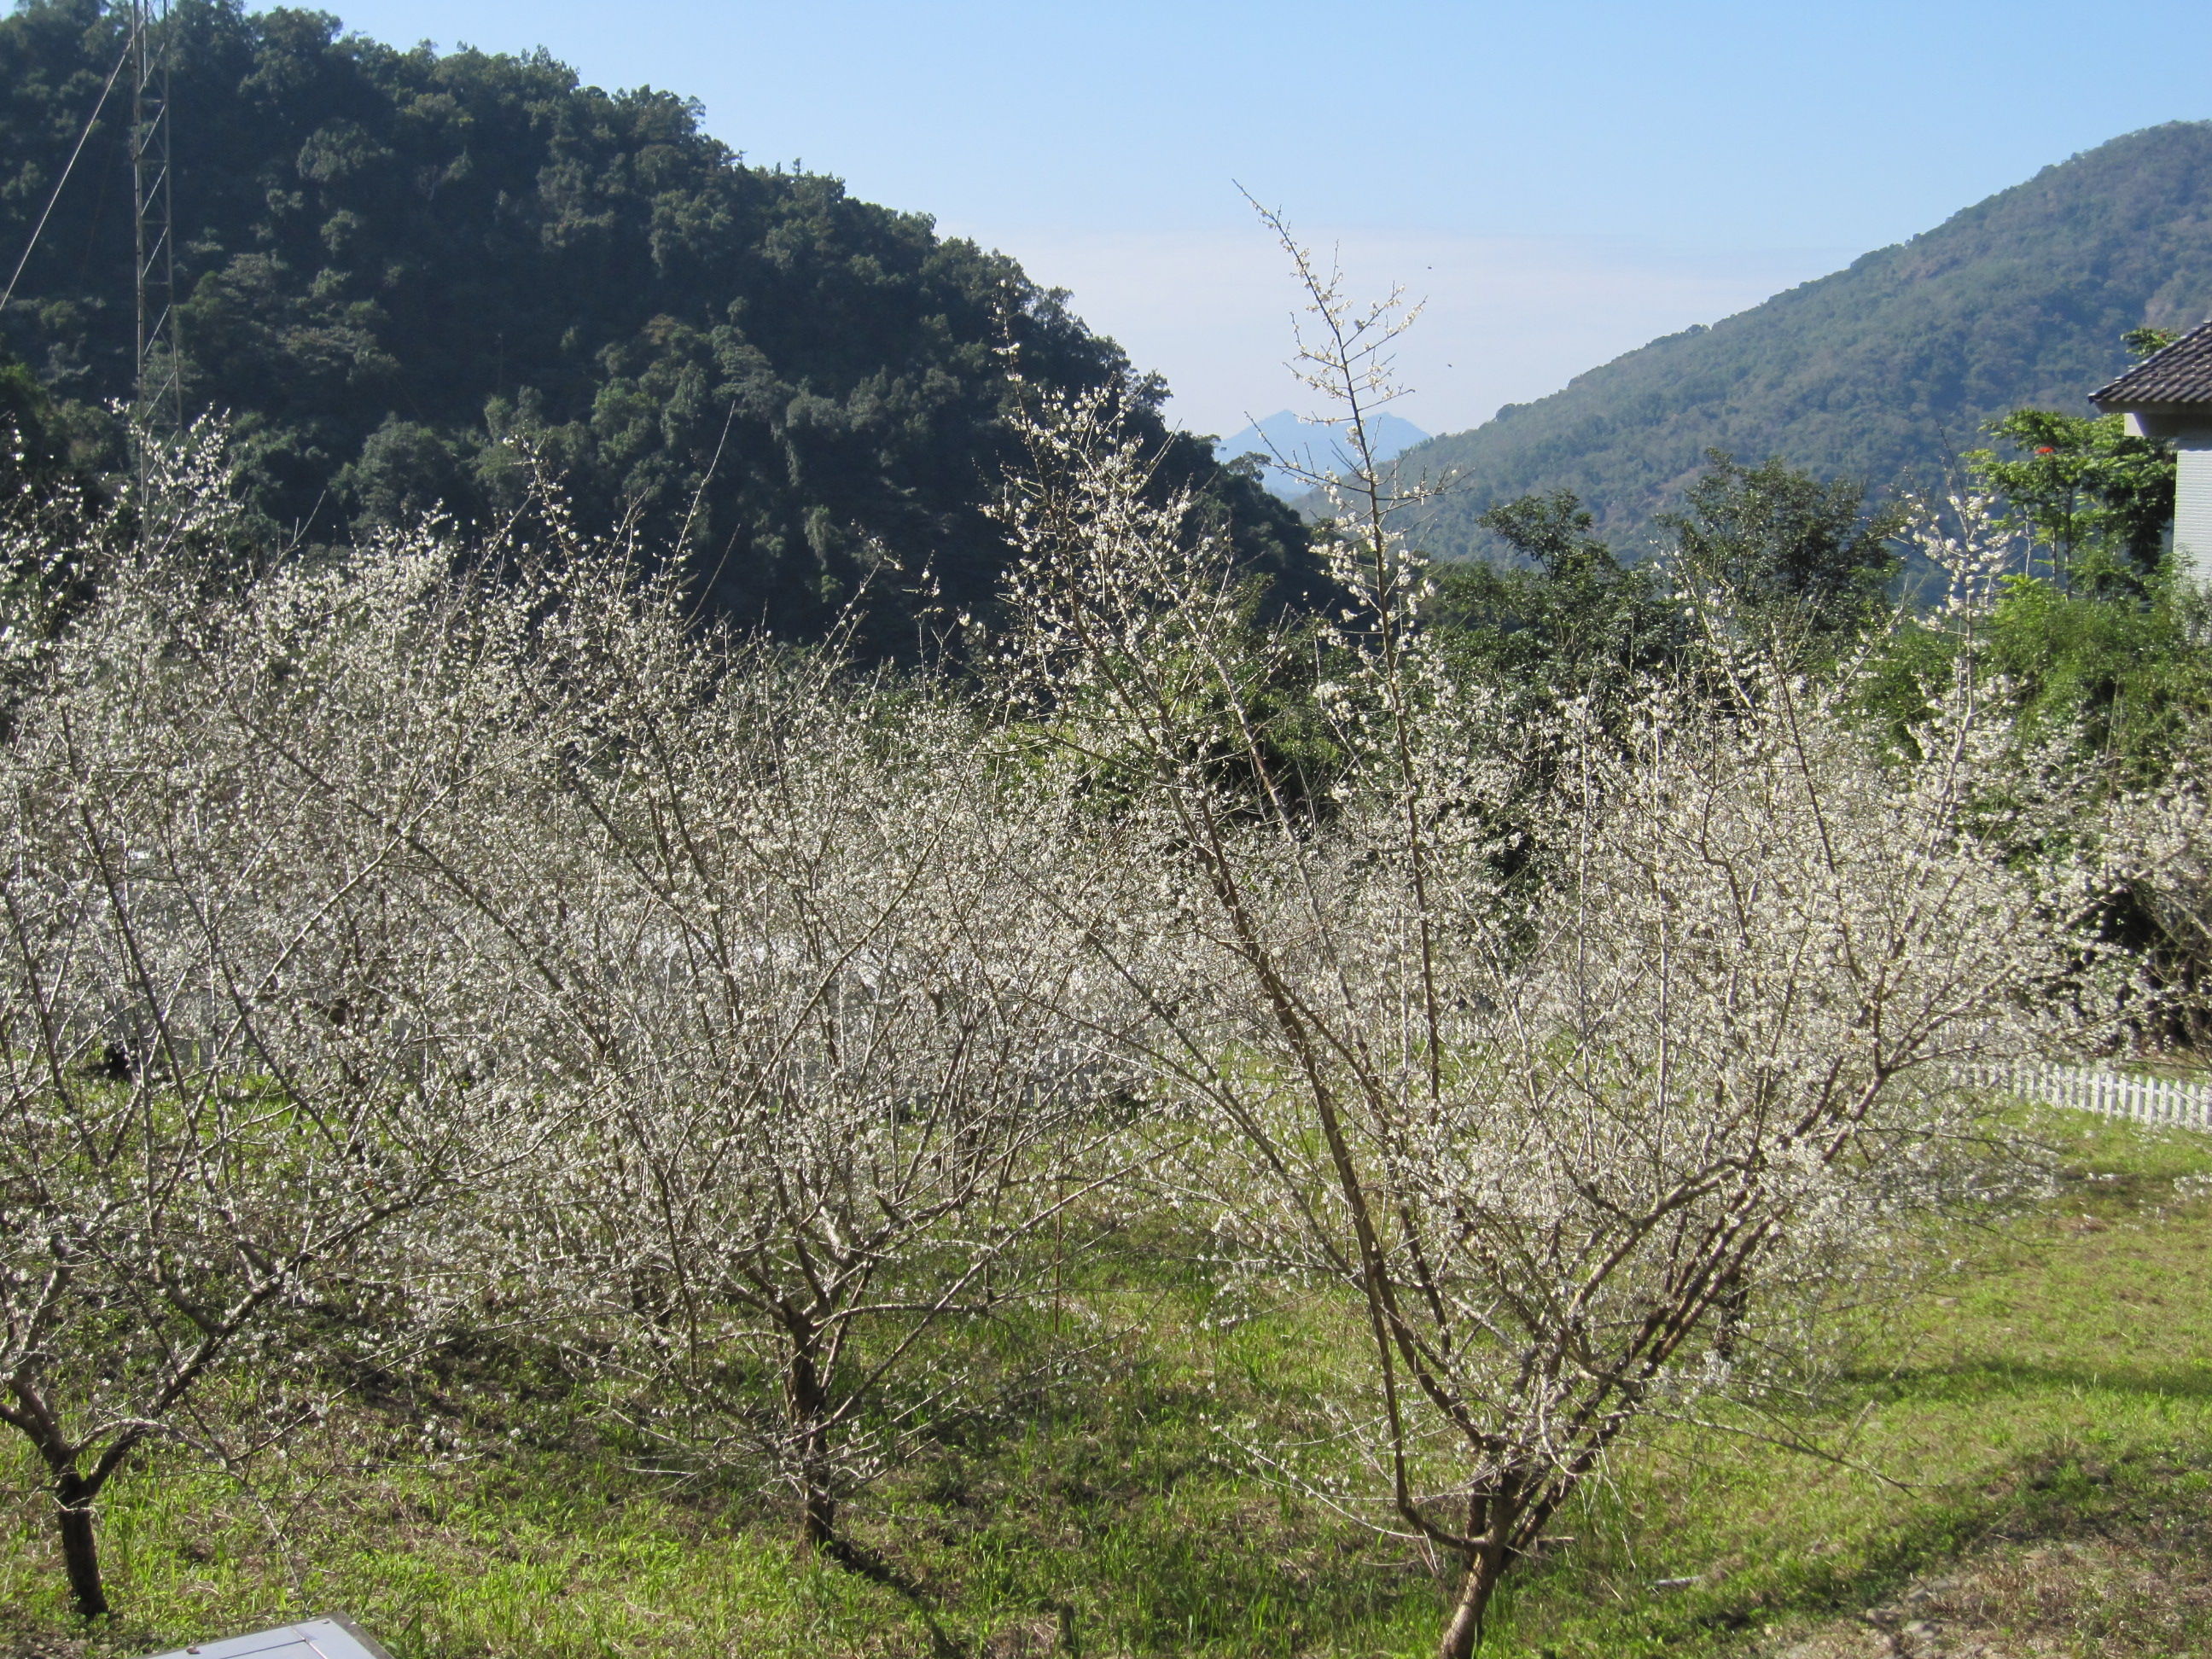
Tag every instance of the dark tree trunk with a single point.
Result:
(1492, 1519)
(1732, 1304)
(808, 1400)
(1464, 1633)
(80, 1546)
(817, 1520)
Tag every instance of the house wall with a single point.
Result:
(2192, 506)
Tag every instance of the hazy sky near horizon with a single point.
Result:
(1562, 181)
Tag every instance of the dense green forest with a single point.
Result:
(391, 262)
(1883, 372)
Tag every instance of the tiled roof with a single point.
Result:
(2182, 374)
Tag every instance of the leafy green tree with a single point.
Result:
(1570, 615)
(1800, 554)
(1802, 563)
(2123, 680)
(2096, 500)
(2130, 677)
(2097, 645)
(46, 458)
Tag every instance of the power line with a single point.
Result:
(70, 167)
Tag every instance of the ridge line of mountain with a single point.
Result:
(1883, 371)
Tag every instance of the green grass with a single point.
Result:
(2042, 1419)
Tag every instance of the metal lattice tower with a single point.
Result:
(160, 412)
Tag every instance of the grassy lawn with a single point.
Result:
(2029, 1471)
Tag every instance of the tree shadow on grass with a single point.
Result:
(863, 1562)
(1998, 1377)
(2056, 1496)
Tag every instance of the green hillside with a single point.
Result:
(390, 260)
(1883, 371)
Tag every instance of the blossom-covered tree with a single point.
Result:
(1588, 1057)
(247, 1038)
(837, 1066)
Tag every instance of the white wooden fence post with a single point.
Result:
(2100, 1089)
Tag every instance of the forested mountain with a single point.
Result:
(1882, 372)
(389, 260)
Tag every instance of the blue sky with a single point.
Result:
(1562, 181)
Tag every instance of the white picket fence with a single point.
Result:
(2100, 1088)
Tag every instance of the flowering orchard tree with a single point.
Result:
(831, 1072)
(1586, 1058)
(437, 922)
(249, 1042)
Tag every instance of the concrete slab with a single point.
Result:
(333, 1637)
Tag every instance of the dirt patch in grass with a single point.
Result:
(2137, 1591)
(2115, 1598)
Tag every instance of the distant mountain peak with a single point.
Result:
(1314, 445)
